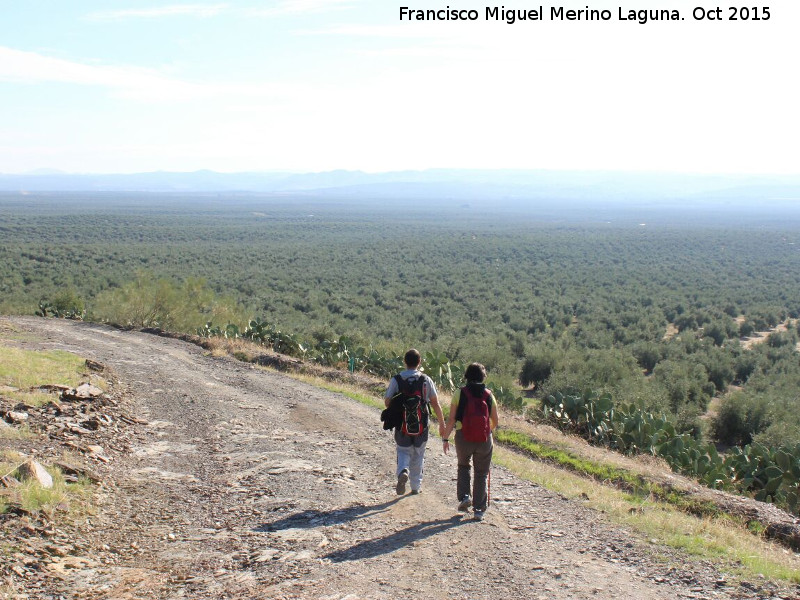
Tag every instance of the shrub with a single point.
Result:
(537, 369)
(719, 368)
(715, 331)
(647, 354)
(684, 383)
(738, 419)
(68, 301)
(150, 302)
(744, 366)
(605, 370)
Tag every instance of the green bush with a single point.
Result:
(745, 365)
(647, 354)
(684, 383)
(536, 369)
(68, 301)
(606, 370)
(739, 418)
(148, 301)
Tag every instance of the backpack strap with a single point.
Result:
(462, 402)
(403, 386)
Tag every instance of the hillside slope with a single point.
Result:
(243, 483)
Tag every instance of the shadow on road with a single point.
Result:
(324, 518)
(395, 541)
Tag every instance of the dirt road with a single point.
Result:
(248, 484)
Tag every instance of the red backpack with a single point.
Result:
(474, 408)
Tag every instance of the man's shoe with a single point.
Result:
(402, 479)
(479, 515)
(465, 503)
(416, 491)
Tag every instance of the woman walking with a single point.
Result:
(473, 415)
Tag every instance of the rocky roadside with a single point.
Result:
(80, 433)
(224, 480)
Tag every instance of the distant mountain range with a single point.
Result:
(622, 187)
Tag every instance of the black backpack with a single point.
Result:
(411, 399)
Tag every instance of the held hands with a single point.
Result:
(445, 446)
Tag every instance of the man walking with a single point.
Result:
(412, 393)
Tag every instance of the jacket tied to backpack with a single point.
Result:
(473, 412)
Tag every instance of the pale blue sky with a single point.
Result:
(311, 85)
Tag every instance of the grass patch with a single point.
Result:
(350, 391)
(9, 461)
(719, 539)
(25, 369)
(30, 398)
(23, 432)
(33, 498)
(565, 459)
(637, 486)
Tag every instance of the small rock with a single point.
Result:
(93, 365)
(17, 417)
(747, 585)
(265, 555)
(34, 470)
(77, 471)
(85, 391)
(75, 428)
(92, 424)
(9, 481)
(53, 387)
(97, 452)
(57, 550)
(19, 570)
